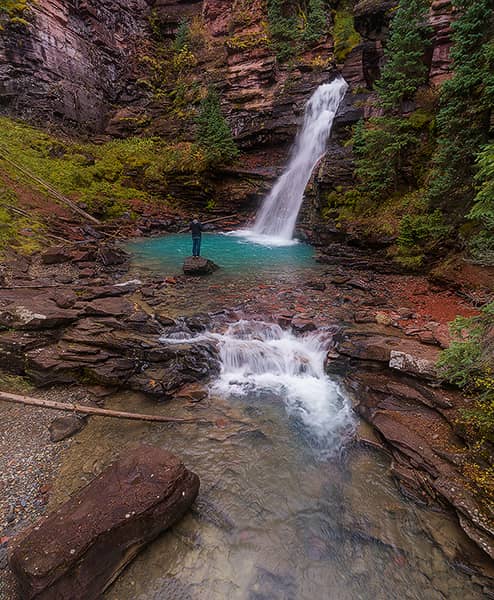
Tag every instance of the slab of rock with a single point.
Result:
(36, 313)
(77, 551)
(422, 363)
(55, 255)
(199, 266)
(62, 428)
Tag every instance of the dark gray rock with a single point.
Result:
(64, 427)
(199, 266)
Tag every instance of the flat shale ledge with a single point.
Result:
(77, 551)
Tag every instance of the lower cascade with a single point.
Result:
(278, 213)
(261, 359)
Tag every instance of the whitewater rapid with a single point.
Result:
(264, 361)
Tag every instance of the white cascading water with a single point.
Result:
(275, 222)
(261, 358)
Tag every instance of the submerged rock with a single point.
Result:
(77, 551)
(199, 266)
(65, 427)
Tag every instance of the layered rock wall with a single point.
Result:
(73, 62)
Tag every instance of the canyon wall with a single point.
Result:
(97, 68)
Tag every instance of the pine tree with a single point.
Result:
(466, 104)
(182, 35)
(214, 134)
(404, 70)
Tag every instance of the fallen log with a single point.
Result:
(91, 410)
(75, 208)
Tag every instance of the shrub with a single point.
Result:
(182, 36)
(315, 27)
(468, 363)
(214, 134)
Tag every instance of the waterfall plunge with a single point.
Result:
(276, 219)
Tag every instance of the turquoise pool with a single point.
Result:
(234, 254)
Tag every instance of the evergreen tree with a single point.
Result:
(466, 104)
(282, 28)
(404, 70)
(214, 134)
(182, 36)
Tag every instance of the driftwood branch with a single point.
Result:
(77, 209)
(209, 221)
(91, 410)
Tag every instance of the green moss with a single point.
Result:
(24, 232)
(345, 36)
(106, 177)
(13, 12)
(14, 383)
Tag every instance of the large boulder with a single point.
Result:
(77, 551)
(199, 266)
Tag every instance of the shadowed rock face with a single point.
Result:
(199, 266)
(76, 552)
(72, 63)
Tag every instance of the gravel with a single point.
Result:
(28, 463)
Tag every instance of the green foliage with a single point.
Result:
(292, 25)
(344, 34)
(105, 177)
(418, 235)
(282, 28)
(18, 229)
(466, 102)
(481, 246)
(13, 11)
(182, 36)
(214, 134)
(382, 147)
(316, 21)
(468, 363)
(404, 70)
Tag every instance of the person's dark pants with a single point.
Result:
(196, 246)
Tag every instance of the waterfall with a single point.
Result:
(277, 216)
(261, 359)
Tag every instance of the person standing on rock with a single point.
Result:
(196, 229)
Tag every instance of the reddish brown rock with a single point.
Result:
(41, 80)
(440, 18)
(77, 551)
(55, 255)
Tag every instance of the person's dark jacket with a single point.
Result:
(196, 228)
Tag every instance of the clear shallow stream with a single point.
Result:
(286, 510)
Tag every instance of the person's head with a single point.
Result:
(195, 218)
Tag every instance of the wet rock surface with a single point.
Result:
(77, 551)
(137, 330)
(199, 266)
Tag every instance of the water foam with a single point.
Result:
(261, 359)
